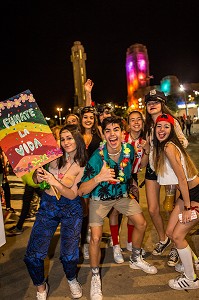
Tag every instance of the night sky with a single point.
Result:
(37, 36)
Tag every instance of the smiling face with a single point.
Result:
(67, 141)
(135, 122)
(72, 120)
(88, 120)
(113, 136)
(163, 130)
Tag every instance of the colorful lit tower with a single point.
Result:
(78, 58)
(137, 72)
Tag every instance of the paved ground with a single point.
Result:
(119, 281)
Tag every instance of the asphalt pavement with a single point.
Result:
(118, 280)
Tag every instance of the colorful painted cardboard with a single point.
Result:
(25, 136)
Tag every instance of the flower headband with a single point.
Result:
(166, 118)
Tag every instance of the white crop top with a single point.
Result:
(169, 176)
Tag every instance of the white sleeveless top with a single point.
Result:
(169, 176)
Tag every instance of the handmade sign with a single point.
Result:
(25, 136)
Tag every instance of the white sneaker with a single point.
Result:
(183, 283)
(180, 268)
(96, 289)
(117, 254)
(142, 265)
(75, 288)
(86, 251)
(43, 296)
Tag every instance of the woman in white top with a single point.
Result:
(174, 166)
(156, 105)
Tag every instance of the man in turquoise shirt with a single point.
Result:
(105, 181)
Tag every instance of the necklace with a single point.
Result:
(126, 158)
(115, 154)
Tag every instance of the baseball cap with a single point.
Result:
(155, 95)
(166, 118)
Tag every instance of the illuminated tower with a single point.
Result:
(137, 72)
(78, 59)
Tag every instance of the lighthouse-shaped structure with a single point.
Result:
(137, 73)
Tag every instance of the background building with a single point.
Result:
(78, 58)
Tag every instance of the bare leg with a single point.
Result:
(153, 195)
(94, 247)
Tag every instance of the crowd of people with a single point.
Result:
(97, 177)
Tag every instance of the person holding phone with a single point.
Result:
(174, 166)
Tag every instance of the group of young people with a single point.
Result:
(100, 164)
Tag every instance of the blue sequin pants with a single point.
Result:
(52, 212)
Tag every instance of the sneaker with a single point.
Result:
(14, 231)
(43, 296)
(142, 265)
(180, 268)
(160, 247)
(129, 248)
(173, 258)
(117, 254)
(75, 288)
(183, 283)
(96, 289)
(86, 251)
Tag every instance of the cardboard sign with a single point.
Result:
(25, 136)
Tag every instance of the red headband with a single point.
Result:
(166, 118)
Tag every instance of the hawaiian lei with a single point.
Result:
(123, 163)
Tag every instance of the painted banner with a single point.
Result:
(25, 136)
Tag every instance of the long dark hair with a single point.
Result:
(81, 155)
(94, 128)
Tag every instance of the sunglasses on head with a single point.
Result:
(88, 109)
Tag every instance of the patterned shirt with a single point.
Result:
(105, 190)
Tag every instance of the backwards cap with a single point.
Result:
(166, 118)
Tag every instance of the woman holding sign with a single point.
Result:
(60, 204)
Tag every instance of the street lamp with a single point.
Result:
(59, 109)
(69, 110)
(182, 89)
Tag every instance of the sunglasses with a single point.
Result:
(88, 109)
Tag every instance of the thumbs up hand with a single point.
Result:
(106, 174)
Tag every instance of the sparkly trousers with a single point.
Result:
(52, 212)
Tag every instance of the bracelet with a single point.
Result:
(187, 208)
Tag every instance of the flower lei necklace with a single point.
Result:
(126, 158)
